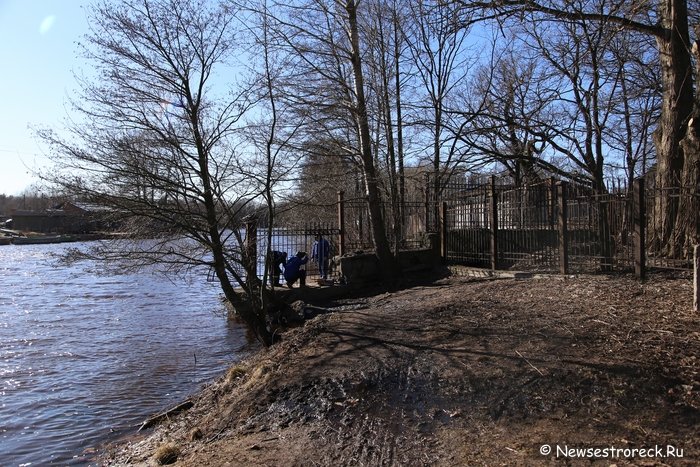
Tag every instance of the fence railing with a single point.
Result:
(405, 227)
(350, 231)
(552, 227)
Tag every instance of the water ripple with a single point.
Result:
(84, 357)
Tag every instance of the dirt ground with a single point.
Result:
(461, 371)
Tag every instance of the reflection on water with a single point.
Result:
(85, 357)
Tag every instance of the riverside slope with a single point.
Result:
(460, 372)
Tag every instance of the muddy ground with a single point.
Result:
(461, 371)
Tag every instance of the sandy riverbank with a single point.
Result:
(459, 372)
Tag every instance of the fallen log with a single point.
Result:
(157, 418)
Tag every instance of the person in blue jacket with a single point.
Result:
(321, 253)
(293, 270)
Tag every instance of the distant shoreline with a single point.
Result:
(34, 238)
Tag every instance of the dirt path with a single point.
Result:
(461, 372)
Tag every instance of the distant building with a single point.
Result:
(66, 218)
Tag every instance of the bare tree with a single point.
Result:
(633, 63)
(269, 131)
(325, 38)
(513, 105)
(158, 143)
(386, 260)
(386, 46)
(667, 21)
(576, 89)
(438, 48)
(574, 52)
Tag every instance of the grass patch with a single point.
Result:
(235, 372)
(167, 454)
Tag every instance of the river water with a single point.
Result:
(85, 357)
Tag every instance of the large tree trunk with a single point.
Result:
(387, 261)
(677, 105)
(686, 230)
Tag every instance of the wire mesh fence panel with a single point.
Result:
(287, 241)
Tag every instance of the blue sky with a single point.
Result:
(38, 53)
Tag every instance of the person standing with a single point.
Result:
(320, 253)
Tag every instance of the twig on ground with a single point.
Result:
(528, 362)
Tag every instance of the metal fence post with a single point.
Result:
(341, 222)
(639, 229)
(427, 202)
(443, 231)
(494, 223)
(563, 233)
(552, 202)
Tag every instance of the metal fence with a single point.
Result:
(405, 226)
(350, 232)
(553, 227)
(550, 226)
(294, 238)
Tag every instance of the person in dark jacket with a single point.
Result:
(277, 260)
(293, 270)
(321, 253)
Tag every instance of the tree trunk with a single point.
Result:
(254, 316)
(387, 262)
(677, 105)
(399, 121)
(246, 309)
(390, 147)
(437, 179)
(686, 230)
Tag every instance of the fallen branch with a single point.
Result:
(528, 362)
(155, 419)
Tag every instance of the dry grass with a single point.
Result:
(167, 454)
(236, 372)
(195, 434)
